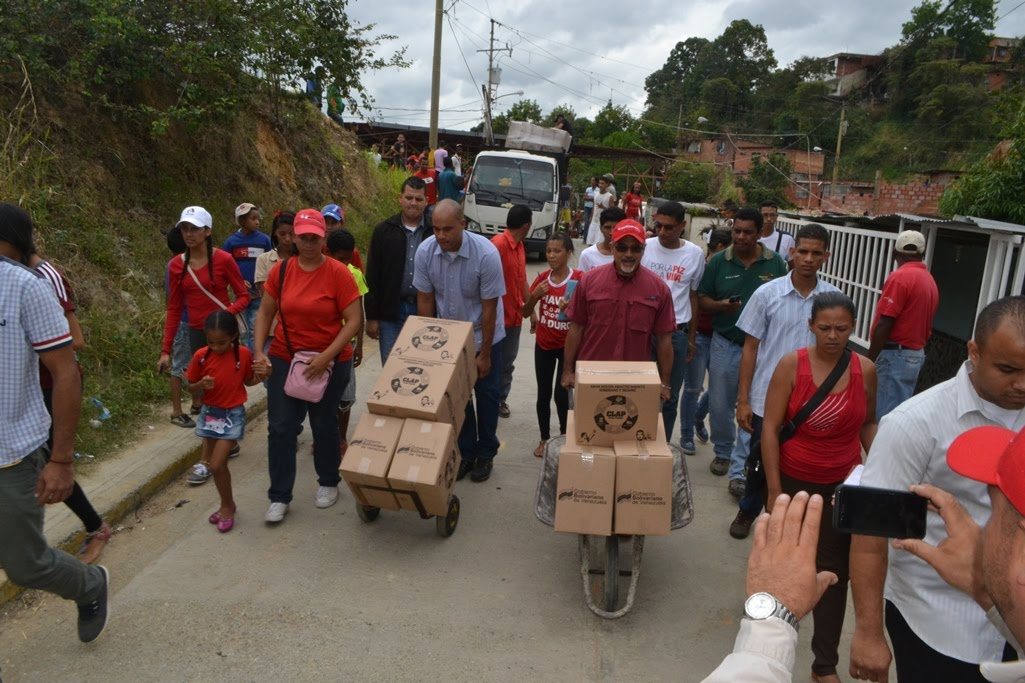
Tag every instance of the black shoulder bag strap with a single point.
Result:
(281, 309)
(779, 240)
(790, 428)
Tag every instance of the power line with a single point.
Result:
(460, 47)
(1011, 10)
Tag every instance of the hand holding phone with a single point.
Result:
(871, 511)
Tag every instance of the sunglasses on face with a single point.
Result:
(633, 249)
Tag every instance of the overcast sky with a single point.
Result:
(577, 53)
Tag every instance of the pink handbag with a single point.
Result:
(297, 385)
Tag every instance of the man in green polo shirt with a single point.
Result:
(730, 278)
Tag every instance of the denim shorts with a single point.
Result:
(181, 350)
(349, 394)
(226, 424)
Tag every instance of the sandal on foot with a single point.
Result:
(94, 543)
(539, 452)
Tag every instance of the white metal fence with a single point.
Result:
(858, 264)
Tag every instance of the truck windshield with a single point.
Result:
(500, 180)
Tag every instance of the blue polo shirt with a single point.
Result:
(245, 249)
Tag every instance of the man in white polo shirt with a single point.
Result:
(33, 329)
(938, 633)
(679, 264)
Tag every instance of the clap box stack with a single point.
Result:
(403, 452)
(616, 469)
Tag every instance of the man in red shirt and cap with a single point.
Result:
(903, 323)
(618, 308)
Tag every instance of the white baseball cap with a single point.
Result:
(196, 215)
(910, 242)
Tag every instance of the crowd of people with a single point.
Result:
(743, 331)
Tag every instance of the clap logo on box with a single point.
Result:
(431, 337)
(410, 381)
(615, 414)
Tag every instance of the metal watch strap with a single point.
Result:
(786, 615)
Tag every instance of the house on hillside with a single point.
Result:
(851, 71)
(739, 154)
(998, 57)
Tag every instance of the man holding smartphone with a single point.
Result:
(938, 633)
(729, 280)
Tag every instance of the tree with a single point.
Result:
(524, 110)
(767, 181)
(689, 182)
(611, 119)
(992, 188)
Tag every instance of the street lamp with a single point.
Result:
(509, 94)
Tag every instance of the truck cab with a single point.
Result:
(501, 179)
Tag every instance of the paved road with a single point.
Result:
(326, 597)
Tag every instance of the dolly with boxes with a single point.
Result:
(403, 452)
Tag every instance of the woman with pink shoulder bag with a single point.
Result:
(308, 364)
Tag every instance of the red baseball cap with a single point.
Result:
(628, 228)
(992, 455)
(309, 222)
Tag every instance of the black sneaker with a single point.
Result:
(482, 469)
(183, 420)
(503, 409)
(465, 467)
(741, 525)
(235, 451)
(92, 618)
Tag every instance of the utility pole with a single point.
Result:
(436, 73)
(494, 77)
(839, 144)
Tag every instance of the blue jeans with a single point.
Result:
(390, 329)
(897, 374)
(510, 349)
(677, 375)
(284, 417)
(478, 439)
(723, 375)
(738, 457)
(752, 502)
(249, 315)
(691, 411)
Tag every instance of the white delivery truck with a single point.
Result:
(501, 179)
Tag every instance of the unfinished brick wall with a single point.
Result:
(920, 195)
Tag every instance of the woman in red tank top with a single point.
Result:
(824, 449)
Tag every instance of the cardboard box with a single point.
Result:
(585, 490)
(422, 389)
(644, 488)
(616, 401)
(368, 458)
(574, 446)
(424, 467)
(437, 339)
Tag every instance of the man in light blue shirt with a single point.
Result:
(458, 276)
(774, 322)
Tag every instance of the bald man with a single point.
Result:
(458, 276)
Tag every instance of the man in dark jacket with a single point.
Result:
(392, 297)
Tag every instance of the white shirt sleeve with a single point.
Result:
(753, 320)
(764, 652)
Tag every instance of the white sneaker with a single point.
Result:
(327, 496)
(276, 512)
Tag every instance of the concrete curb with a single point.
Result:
(132, 495)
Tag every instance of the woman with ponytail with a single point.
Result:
(198, 284)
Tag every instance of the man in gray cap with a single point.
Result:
(903, 323)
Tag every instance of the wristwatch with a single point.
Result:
(762, 606)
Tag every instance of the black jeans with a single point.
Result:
(918, 663)
(77, 502)
(284, 416)
(548, 372)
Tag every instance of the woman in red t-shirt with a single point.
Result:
(195, 279)
(552, 289)
(632, 201)
(824, 449)
(318, 309)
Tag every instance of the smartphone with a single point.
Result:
(879, 512)
(570, 288)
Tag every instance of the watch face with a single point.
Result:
(760, 606)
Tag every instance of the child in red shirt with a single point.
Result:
(220, 372)
(552, 289)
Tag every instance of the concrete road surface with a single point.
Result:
(325, 597)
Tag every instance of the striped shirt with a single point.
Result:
(911, 448)
(777, 316)
(31, 322)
